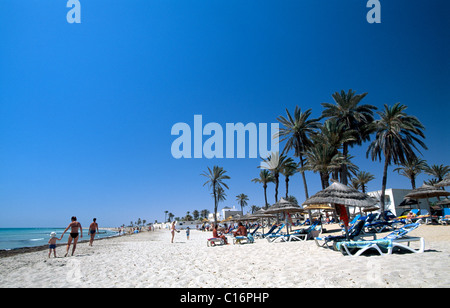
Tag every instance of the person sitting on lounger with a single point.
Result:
(241, 231)
(217, 235)
(409, 217)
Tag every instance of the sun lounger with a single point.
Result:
(443, 220)
(271, 237)
(243, 239)
(262, 235)
(381, 226)
(396, 239)
(254, 231)
(353, 234)
(351, 223)
(215, 241)
(300, 235)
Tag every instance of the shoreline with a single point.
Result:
(148, 259)
(22, 250)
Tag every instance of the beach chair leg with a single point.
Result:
(360, 251)
(407, 247)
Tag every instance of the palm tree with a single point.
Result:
(204, 213)
(431, 182)
(165, 213)
(324, 159)
(296, 133)
(362, 178)
(411, 169)
(242, 199)
(396, 136)
(274, 163)
(216, 176)
(334, 134)
(265, 177)
(355, 183)
(220, 194)
(438, 171)
(255, 208)
(289, 168)
(357, 118)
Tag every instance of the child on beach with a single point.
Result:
(52, 244)
(187, 232)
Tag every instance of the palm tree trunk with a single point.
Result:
(265, 195)
(276, 188)
(304, 178)
(287, 186)
(413, 182)
(344, 178)
(324, 179)
(215, 204)
(383, 187)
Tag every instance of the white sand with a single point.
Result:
(150, 260)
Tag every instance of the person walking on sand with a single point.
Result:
(93, 228)
(173, 229)
(52, 244)
(74, 225)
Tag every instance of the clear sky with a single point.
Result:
(86, 110)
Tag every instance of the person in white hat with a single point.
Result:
(52, 244)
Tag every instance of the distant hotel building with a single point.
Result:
(393, 198)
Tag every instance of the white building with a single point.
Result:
(224, 213)
(393, 197)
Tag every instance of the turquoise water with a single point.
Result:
(11, 238)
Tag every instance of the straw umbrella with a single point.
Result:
(444, 182)
(443, 202)
(261, 214)
(426, 192)
(341, 196)
(284, 206)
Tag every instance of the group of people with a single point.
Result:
(173, 229)
(76, 231)
(220, 233)
(217, 233)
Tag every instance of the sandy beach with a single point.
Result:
(149, 259)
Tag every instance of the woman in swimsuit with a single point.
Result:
(173, 230)
(74, 225)
(93, 228)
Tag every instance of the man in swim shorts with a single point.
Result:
(93, 228)
(74, 225)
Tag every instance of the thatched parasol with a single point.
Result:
(227, 219)
(426, 192)
(284, 206)
(318, 207)
(247, 216)
(444, 182)
(408, 202)
(341, 196)
(338, 193)
(371, 209)
(443, 202)
(261, 214)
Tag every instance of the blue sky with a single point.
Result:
(86, 110)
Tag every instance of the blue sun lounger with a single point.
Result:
(271, 237)
(353, 234)
(396, 239)
(240, 239)
(443, 220)
(300, 235)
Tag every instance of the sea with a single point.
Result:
(12, 238)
